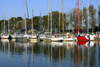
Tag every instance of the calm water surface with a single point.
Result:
(46, 54)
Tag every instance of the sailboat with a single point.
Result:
(24, 37)
(5, 35)
(14, 35)
(81, 37)
(68, 36)
(84, 37)
(55, 37)
(33, 37)
(91, 36)
(42, 37)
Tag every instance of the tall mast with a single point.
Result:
(40, 23)
(14, 19)
(51, 17)
(17, 24)
(62, 18)
(72, 20)
(69, 19)
(88, 18)
(4, 19)
(48, 15)
(32, 21)
(59, 16)
(78, 16)
(82, 15)
(25, 16)
(8, 24)
(2, 26)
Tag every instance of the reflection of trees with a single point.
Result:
(99, 55)
(92, 56)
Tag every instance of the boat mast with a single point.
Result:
(4, 19)
(82, 15)
(25, 17)
(32, 21)
(14, 19)
(59, 16)
(62, 18)
(48, 15)
(40, 23)
(17, 24)
(51, 17)
(8, 24)
(71, 22)
(88, 18)
(69, 19)
(2, 26)
(78, 16)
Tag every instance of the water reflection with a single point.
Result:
(49, 54)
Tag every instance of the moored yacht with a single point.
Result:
(4, 36)
(86, 37)
(42, 37)
(69, 37)
(33, 38)
(56, 38)
(83, 37)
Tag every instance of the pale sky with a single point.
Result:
(39, 6)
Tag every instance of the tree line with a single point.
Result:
(41, 23)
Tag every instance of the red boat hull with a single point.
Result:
(82, 38)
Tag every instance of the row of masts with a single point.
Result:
(83, 17)
(49, 5)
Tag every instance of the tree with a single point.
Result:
(92, 13)
(55, 20)
(45, 22)
(75, 18)
(36, 23)
(99, 16)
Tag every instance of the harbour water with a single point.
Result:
(49, 54)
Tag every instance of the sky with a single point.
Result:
(7, 7)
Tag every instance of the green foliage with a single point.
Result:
(38, 21)
(92, 13)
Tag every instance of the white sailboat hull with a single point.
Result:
(33, 38)
(4, 36)
(58, 39)
(92, 37)
(69, 37)
(42, 37)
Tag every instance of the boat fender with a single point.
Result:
(68, 36)
(55, 35)
(85, 34)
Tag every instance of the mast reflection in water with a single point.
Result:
(46, 54)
